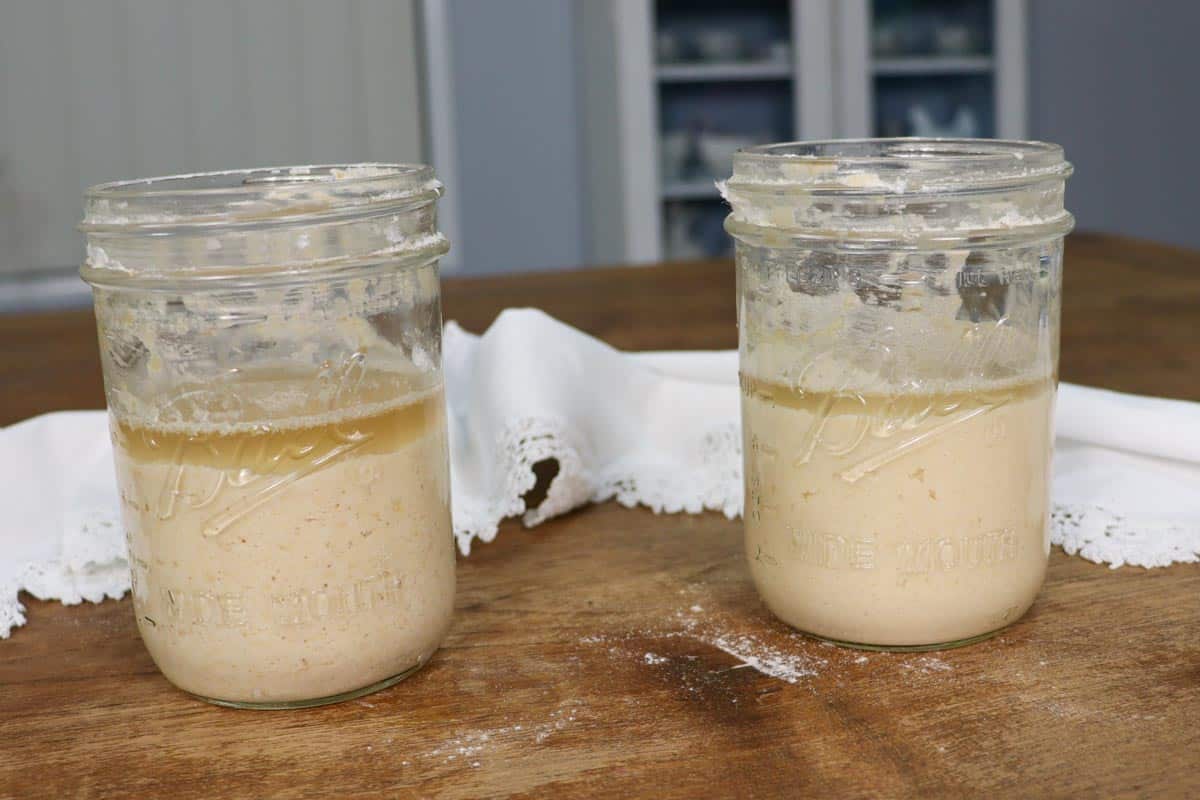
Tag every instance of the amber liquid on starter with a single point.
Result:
(903, 520)
(296, 559)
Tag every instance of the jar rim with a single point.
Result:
(904, 165)
(907, 193)
(873, 149)
(258, 194)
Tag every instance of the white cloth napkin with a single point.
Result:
(60, 537)
(656, 429)
(1126, 477)
(639, 428)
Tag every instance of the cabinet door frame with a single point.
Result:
(1010, 50)
(637, 130)
(438, 65)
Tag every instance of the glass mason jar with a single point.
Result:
(271, 345)
(898, 307)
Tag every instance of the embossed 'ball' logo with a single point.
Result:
(264, 462)
(898, 420)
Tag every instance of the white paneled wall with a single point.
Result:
(98, 90)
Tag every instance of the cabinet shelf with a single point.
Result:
(932, 65)
(724, 71)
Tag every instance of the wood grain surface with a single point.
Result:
(613, 652)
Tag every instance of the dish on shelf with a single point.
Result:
(717, 149)
(779, 52)
(674, 149)
(681, 243)
(694, 229)
(719, 45)
(964, 124)
(668, 47)
(885, 40)
(954, 40)
(905, 37)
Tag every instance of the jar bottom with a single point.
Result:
(908, 648)
(284, 705)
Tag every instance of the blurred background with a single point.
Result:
(575, 132)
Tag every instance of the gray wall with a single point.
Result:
(517, 143)
(1117, 83)
(100, 90)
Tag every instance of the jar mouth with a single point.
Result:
(912, 193)
(904, 166)
(258, 195)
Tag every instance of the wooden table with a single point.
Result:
(598, 655)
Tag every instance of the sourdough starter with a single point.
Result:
(295, 559)
(897, 519)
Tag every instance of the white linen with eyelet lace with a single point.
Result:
(653, 429)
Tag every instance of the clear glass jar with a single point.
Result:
(271, 345)
(898, 307)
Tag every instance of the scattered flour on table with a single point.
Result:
(789, 667)
(790, 661)
(790, 657)
(751, 650)
(927, 665)
(466, 746)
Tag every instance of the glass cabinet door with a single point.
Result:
(724, 80)
(932, 68)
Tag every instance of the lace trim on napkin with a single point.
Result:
(709, 480)
(1106, 537)
(92, 568)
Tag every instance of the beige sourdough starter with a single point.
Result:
(897, 519)
(295, 559)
